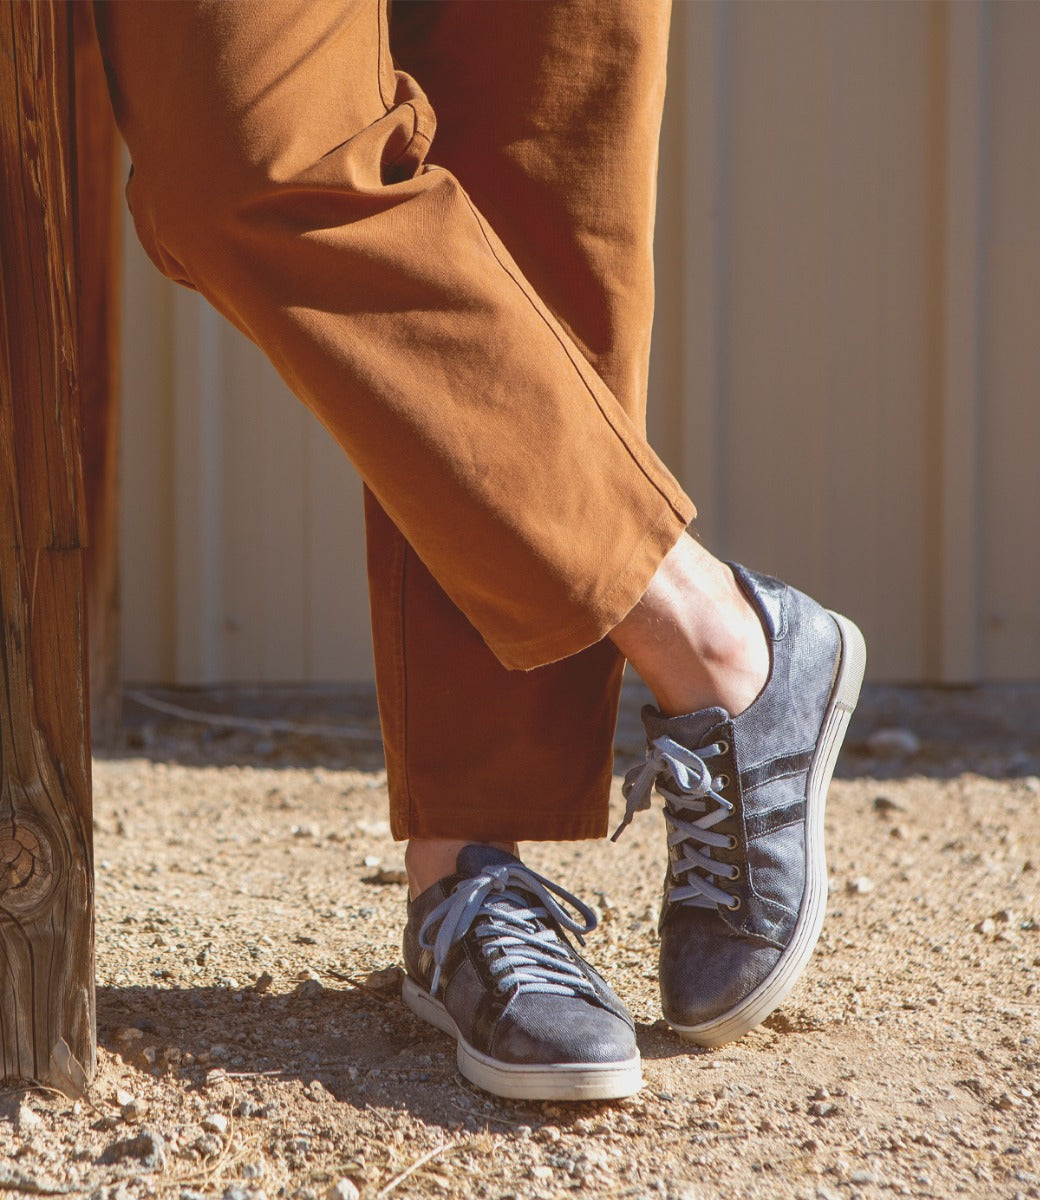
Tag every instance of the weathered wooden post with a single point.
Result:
(98, 209)
(47, 1024)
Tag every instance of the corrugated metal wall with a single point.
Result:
(846, 369)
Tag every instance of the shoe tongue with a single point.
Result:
(476, 857)
(690, 730)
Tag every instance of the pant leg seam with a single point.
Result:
(382, 47)
(402, 675)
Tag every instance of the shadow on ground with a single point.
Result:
(365, 1049)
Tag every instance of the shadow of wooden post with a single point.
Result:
(47, 1021)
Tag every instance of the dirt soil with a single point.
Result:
(253, 1042)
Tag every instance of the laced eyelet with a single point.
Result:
(735, 903)
(723, 747)
(734, 872)
(732, 843)
(720, 782)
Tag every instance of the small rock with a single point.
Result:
(372, 860)
(150, 1054)
(263, 982)
(821, 1093)
(386, 980)
(306, 830)
(253, 1170)
(542, 1174)
(118, 1191)
(148, 1146)
(893, 743)
(388, 875)
(1003, 917)
(822, 1109)
(859, 886)
(215, 1123)
(129, 1033)
(123, 1098)
(25, 1120)
(886, 804)
(863, 1177)
(987, 926)
(309, 989)
(248, 1108)
(343, 1189)
(208, 1145)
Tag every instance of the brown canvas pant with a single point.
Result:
(471, 323)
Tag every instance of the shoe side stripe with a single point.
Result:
(758, 825)
(776, 768)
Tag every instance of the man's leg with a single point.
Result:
(549, 116)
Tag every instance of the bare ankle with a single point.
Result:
(427, 860)
(694, 637)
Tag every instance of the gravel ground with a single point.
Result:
(253, 1043)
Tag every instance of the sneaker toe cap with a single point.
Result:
(707, 974)
(541, 1029)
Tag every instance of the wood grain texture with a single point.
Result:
(47, 1025)
(98, 209)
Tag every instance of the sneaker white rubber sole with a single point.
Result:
(517, 1081)
(777, 986)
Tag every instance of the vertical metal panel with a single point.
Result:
(803, 225)
(846, 368)
(1008, 553)
(198, 557)
(242, 522)
(146, 469)
(967, 64)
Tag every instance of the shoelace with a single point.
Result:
(688, 786)
(519, 943)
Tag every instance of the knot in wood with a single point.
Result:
(26, 867)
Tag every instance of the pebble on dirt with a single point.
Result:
(148, 1146)
(342, 1190)
(893, 743)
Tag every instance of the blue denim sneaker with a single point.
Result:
(746, 886)
(489, 963)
